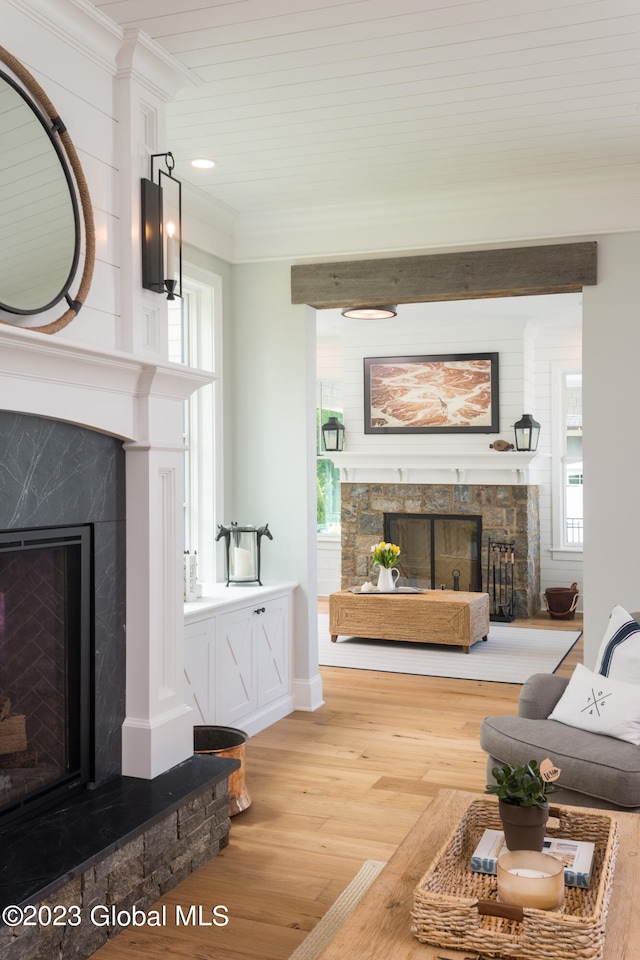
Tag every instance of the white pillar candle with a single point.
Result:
(241, 562)
(171, 250)
(527, 878)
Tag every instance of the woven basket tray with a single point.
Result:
(446, 899)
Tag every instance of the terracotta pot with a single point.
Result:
(524, 827)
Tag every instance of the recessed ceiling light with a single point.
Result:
(203, 164)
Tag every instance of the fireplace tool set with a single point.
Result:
(500, 579)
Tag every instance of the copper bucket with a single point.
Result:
(561, 602)
(226, 742)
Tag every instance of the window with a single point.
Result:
(195, 339)
(573, 511)
(568, 480)
(329, 404)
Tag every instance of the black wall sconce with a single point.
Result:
(333, 435)
(161, 212)
(527, 431)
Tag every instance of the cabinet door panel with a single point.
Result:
(236, 666)
(199, 672)
(272, 641)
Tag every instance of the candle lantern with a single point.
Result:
(527, 431)
(243, 551)
(333, 435)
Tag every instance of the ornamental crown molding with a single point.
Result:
(101, 389)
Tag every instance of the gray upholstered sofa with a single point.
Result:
(597, 771)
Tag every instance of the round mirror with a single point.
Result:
(39, 241)
(44, 204)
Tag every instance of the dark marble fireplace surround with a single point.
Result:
(58, 474)
(124, 841)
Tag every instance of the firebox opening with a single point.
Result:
(45, 666)
(437, 551)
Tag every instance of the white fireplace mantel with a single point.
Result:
(139, 400)
(506, 468)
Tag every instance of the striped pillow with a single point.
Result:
(619, 654)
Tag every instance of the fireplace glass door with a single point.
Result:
(437, 551)
(45, 631)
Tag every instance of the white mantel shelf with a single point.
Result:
(506, 468)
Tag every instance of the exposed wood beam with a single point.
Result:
(510, 272)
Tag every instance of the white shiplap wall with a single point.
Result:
(58, 60)
(425, 329)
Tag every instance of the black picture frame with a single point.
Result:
(438, 393)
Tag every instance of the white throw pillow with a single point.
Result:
(600, 705)
(619, 654)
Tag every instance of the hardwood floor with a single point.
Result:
(330, 790)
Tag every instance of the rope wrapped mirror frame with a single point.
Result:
(38, 94)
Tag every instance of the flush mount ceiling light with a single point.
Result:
(201, 163)
(384, 312)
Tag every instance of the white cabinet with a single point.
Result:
(236, 656)
(252, 658)
(199, 668)
(238, 663)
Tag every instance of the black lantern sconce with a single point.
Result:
(161, 213)
(243, 551)
(333, 435)
(527, 431)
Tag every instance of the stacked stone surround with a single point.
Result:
(137, 874)
(508, 513)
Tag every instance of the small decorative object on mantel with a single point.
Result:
(522, 800)
(243, 551)
(501, 445)
(386, 556)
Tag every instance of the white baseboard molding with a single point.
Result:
(261, 719)
(307, 694)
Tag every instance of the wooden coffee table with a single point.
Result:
(379, 927)
(449, 617)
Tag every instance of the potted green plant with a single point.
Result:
(522, 801)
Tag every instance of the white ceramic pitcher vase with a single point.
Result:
(386, 579)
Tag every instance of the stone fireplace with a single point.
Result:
(507, 511)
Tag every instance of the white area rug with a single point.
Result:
(326, 928)
(510, 655)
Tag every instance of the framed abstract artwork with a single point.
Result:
(445, 393)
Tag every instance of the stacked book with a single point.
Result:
(577, 856)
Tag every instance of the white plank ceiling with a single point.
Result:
(317, 104)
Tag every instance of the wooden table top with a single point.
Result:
(432, 596)
(379, 927)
